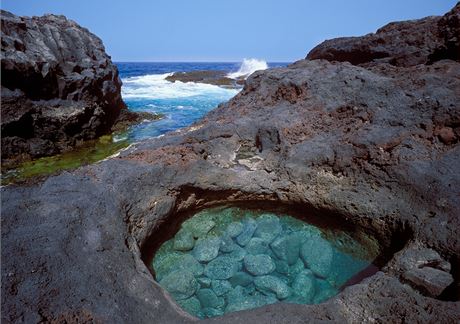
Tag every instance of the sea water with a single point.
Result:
(145, 88)
(229, 259)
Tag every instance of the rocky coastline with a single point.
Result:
(59, 88)
(364, 132)
(218, 78)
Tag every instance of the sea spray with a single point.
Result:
(248, 66)
(155, 86)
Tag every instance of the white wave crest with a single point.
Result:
(248, 66)
(155, 86)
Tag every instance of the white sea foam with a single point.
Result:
(248, 66)
(155, 86)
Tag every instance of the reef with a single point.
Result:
(368, 142)
(219, 78)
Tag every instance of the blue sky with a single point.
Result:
(219, 30)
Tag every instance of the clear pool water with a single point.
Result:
(229, 259)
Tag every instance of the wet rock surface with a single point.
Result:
(59, 87)
(375, 146)
(218, 78)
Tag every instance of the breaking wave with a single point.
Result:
(248, 66)
(155, 86)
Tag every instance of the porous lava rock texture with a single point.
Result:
(58, 86)
(374, 147)
(405, 43)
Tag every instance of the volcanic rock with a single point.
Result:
(181, 284)
(272, 284)
(355, 145)
(258, 265)
(214, 77)
(406, 43)
(58, 86)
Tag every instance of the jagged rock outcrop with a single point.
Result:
(406, 43)
(373, 146)
(214, 77)
(58, 86)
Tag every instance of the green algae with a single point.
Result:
(89, 152)
(262, 258)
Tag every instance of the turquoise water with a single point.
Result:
(230, 259)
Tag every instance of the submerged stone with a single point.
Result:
(296, 268)
(227, 245)
(191, 305)
(241, 279)
(238, 254)
(208, 299)
(234, 229)
(249, 228)
(235, 294)
(249, 289)
(212, 312)
(199, 226)
(258, 265)
(165, 264)
(268, 227)
(282, 267)
(238, 300)
(183, 241)
(287, 247)
(189, 263)
(304, 285)
(207, 249)
(272, 284)
(204, 282)
(181, 284)
(236, 265)
(221, 268)
(256, 246)
(221, 287)
(317, 254)
(178, 262)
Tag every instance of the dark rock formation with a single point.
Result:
(128, 118)
(375, 147)
(208, 76)
(406, 43)
(59, 87)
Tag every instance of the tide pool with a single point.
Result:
(228, 259)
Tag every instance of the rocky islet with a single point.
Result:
(284, 258)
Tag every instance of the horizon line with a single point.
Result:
(182, 61)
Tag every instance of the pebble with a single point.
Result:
(180, 284)
(259, 265)
(183, 241)
(317, 254)
(221, 268)
(272, 284)
(206, 249)
(249, 228)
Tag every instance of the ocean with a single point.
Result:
(145, 89)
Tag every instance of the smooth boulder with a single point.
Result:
(181, 284)
(259, 265)
(221, 268)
